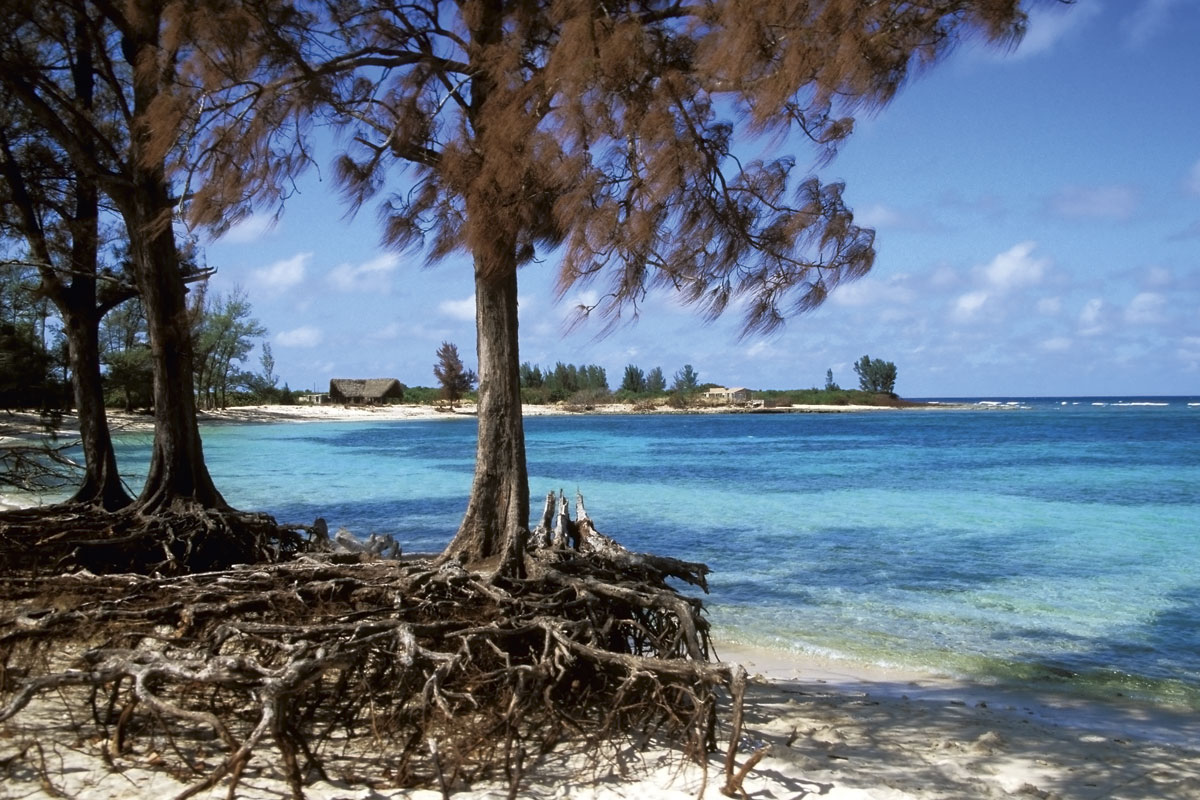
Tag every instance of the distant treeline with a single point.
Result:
(583, 383)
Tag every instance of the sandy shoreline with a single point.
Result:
(22, 424)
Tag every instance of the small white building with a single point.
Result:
(733, 394)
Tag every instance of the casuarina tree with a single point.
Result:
(126, 140)
(602, 132)
(52, 208)
(608, 131)
(455, 379)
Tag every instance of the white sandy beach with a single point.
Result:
(331, 412)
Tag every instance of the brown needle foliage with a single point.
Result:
(624, 137)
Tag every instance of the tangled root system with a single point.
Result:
(433, 674)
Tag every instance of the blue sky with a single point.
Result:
(1038, 233)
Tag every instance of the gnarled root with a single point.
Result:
(422, 675)
(69, 537)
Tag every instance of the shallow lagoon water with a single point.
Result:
(1053, 542)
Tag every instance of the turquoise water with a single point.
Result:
(1054, 542)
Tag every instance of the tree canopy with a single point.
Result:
(455, 379)
(609, 133)
(875, 375)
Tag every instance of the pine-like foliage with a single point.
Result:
(455, 379)
(623, 132)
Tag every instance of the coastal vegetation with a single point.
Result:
(126, 125)
(875, 375)
(455, 379)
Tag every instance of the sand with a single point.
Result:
(830, 731)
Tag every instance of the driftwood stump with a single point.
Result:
(398, 673)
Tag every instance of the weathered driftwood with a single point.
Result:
(435, 675)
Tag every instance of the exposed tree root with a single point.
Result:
(70, 537)
(436, 676)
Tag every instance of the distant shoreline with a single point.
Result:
(24, 424)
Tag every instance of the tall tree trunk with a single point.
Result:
(101, 481)
(178, 475)
(499, 505)
(498, 510)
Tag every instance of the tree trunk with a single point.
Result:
(178, 475)
(82, 312)
(101, 481)
(178, 478)
(499, 505)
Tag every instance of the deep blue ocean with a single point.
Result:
(1043, 541)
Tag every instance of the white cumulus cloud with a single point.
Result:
(1015, 267)
(1146, 308)
(304, 336)
(283, 274)
(968, 305)
(370, 276)
(463, 309)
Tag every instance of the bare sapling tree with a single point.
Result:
(606, 133)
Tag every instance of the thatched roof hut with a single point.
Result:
(363, 391)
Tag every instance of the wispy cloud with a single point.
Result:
(1113, 202)
(1147, 308)
(386, 333)
(1092, 320)
(1192, 181)
(884, 216)
(282, 274)
(1049, 25)
(1190, 232)
(1049, 305)
(304, 336)
(1056, 344)
(249, 230)
(370, 276)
